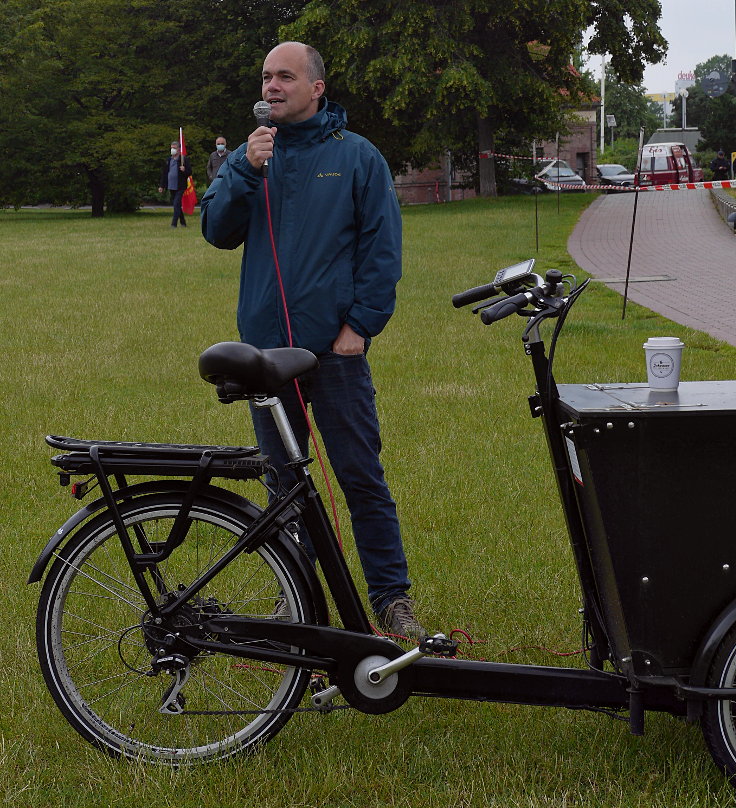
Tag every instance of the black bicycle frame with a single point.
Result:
(339, 650)
(333, 649)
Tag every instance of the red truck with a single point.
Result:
(666, 163)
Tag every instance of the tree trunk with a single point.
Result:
(97, 189)
(486, 165)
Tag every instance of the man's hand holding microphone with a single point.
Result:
(260, 142)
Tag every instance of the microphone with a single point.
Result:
(262, 111)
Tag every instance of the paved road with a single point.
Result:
(683, 260)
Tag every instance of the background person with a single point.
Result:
(338, 229)
(719, 166)
(217, 158)
(174, 173)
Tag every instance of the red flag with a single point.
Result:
(182, 144)
(189, 198)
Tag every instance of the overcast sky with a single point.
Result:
(695, 31)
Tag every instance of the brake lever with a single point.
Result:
(554, 305)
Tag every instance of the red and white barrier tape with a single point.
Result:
(683, 186)
(488, 153)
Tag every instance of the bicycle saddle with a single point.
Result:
(239, 370)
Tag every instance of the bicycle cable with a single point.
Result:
(282, 292)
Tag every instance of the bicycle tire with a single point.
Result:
(94, 654)
(718, 722)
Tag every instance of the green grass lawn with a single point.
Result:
(102, 323)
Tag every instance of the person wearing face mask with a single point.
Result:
(174, 174)
(217, 158)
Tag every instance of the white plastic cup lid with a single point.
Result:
(661, 343)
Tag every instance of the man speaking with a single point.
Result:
(336, 223)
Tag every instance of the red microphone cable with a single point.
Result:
(282, 292)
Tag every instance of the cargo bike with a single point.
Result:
(180, 622)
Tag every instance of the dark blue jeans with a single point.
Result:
(343, 407)
(176, 202)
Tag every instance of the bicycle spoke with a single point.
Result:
(99, 644)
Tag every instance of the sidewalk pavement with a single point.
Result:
(683, 259)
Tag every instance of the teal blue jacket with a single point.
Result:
(337, 228)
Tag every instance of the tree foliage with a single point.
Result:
(631, 108)
(624, 151)
(93, 91)
(99, 88)
(715, 117)
(469, 74)
(721, 64)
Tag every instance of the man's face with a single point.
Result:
(174, 149)
(220, 142)
(286, 86)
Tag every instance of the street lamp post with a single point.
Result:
(603, 100)
(683, 95)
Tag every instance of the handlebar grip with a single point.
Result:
(503, 308)
(474, 295)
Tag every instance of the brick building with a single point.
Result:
(578, 147)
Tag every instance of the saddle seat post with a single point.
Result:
(284, 427)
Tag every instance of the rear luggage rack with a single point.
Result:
(167, 459)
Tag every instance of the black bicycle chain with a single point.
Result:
(268, 712)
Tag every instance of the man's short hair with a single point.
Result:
(315, 65)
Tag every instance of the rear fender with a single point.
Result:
(83, 514)
(230, 498)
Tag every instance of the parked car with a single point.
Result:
(665, 163)
(553, 171)
(614, 174)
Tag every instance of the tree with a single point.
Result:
(718, 123)
(719, 126)
(720, 64)
(696, 108)
(715, 117)
(630, 106)
(468, 74)
(99, 89)
(81, 94)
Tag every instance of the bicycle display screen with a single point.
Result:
(514, 273)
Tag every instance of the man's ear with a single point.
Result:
(319, 90)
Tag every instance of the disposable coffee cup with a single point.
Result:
(663, 355)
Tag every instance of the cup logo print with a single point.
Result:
(661, 365)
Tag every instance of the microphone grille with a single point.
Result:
(262, 111)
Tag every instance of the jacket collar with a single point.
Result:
(330, 117)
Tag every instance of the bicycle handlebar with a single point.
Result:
(474, 295)
(544, 296)
(503, 308)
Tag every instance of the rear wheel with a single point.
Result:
(719, 717)
(96, 641)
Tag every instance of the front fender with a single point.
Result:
(710, 644)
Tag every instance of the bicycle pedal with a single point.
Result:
(438, 645)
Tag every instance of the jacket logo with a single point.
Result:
(329, 174)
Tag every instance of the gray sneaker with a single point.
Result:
(397, 617)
